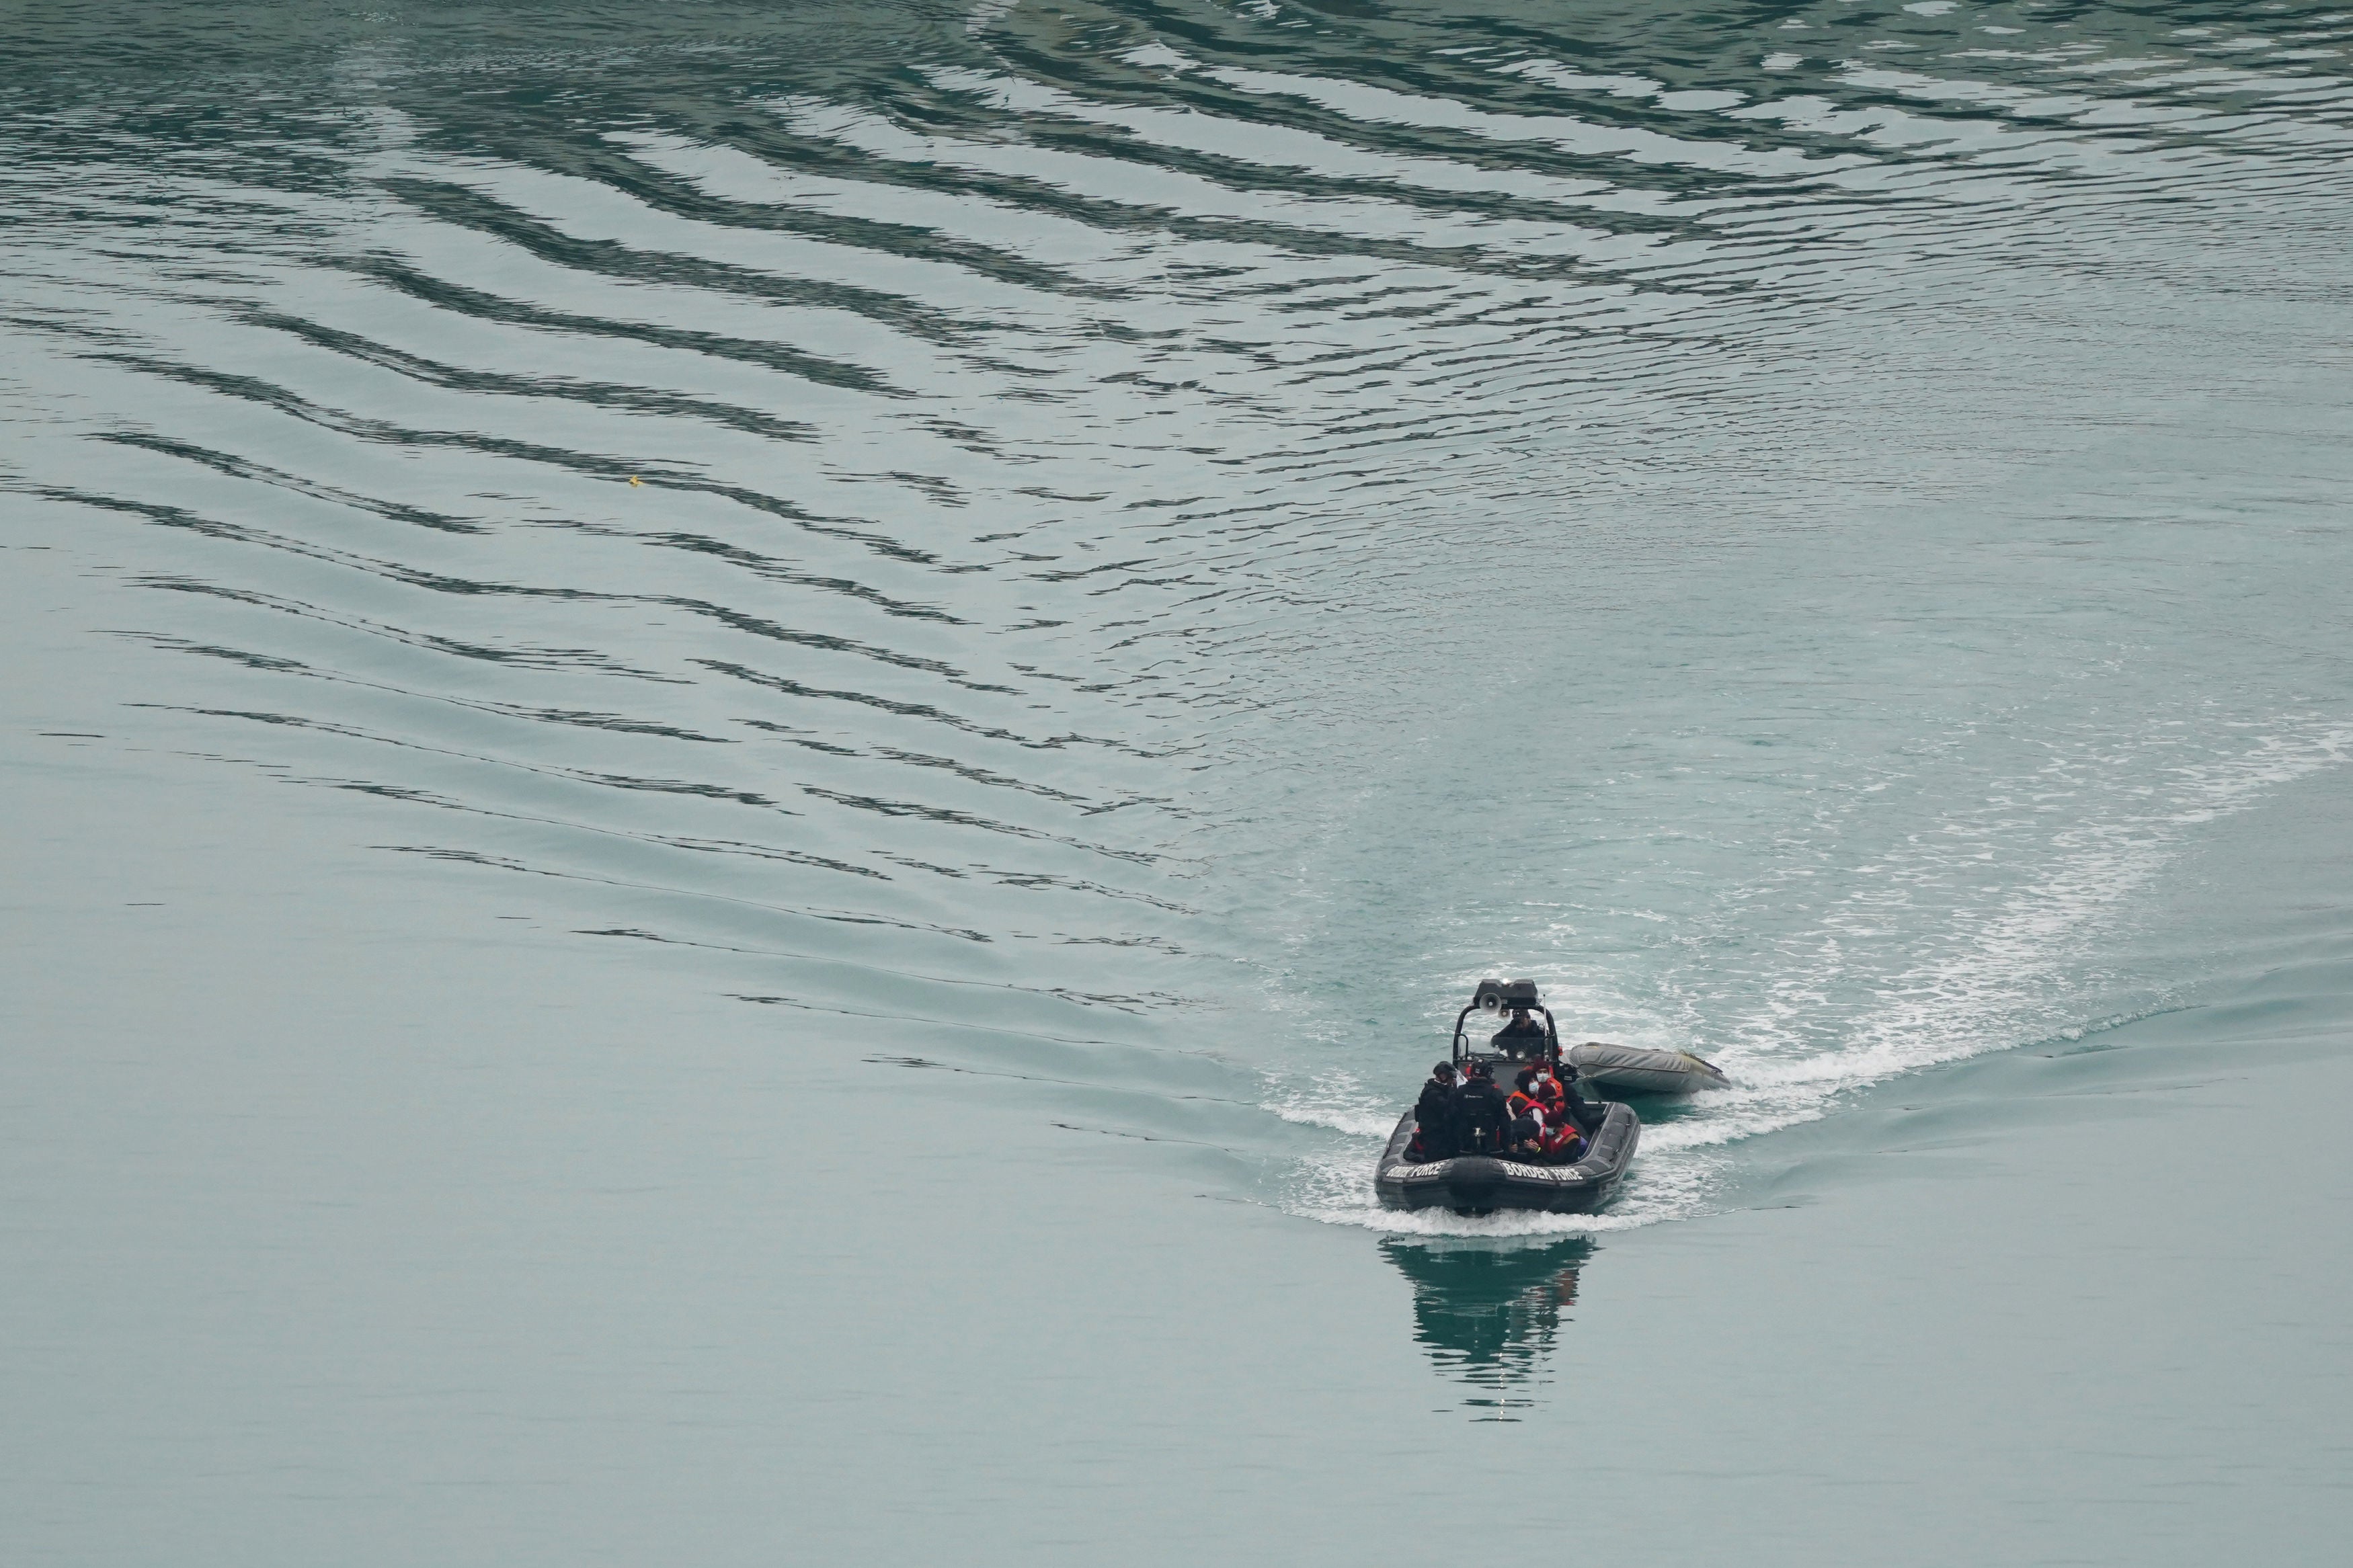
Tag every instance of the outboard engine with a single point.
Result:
(1471, 1185)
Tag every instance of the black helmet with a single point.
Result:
(1481, 1070)
(1443, 1070)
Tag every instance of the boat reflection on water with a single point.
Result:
(1488, 1310)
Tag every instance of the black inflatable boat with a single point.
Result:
(1482, 1184)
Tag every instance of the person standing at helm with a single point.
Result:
(1523, 1037)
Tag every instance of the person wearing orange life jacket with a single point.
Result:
(1522, 1094)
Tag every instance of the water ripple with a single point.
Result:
(1167, 516)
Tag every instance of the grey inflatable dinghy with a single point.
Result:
(1631, 1069)
(1482, 1184)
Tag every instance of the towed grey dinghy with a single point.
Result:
(1631, 1070)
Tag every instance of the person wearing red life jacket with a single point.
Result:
(1550, 1095)
(1563, 1144)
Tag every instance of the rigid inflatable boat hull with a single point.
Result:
(1478, 1183)
(1631, 1069)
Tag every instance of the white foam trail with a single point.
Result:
(1876, 986)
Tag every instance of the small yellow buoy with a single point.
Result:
(633, 478)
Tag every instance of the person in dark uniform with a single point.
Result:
(1523, 1037)
(1475, 1112)
(1523, 1139)
(1586, 1113)
(1433, 1136)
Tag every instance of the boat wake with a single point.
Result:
(1933, 951)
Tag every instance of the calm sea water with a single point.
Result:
(752, 748)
